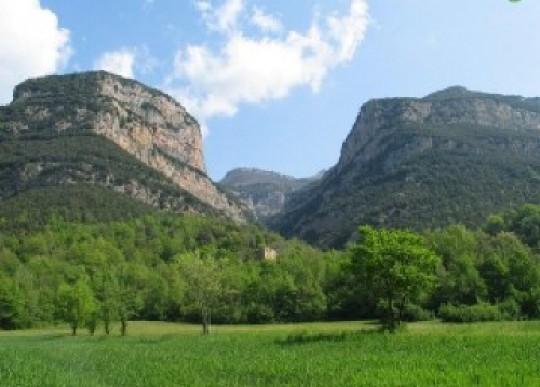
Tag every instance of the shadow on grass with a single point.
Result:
(50, 337)
(309, 338)
(158, 339)
(35, 338)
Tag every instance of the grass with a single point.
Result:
(316, 354)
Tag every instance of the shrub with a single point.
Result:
(259, 314)
(510, 310)
(414, 312)
(470, 313)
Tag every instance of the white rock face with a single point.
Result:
(145, 122)
(381, 118)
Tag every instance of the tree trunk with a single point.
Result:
(123, 327)
(401, 310)
(391, 320)
(73, 329)
(107, 327)
(204, 319)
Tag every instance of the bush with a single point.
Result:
(510, 310)
(260, 314)
(470, 313)
(414, 312)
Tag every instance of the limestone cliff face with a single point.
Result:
(454, 156)
(455, 106)
(145, 122)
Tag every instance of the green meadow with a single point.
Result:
(314, 354)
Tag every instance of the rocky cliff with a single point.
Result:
(142, 122)
(453, 156)
(265, 192)
(455, 106)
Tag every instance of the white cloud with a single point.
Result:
(223, 18)
(349, 30)
(265, 22)
(31, 43)
(119, 62)
(203, 6)
(128, 61)
(250, 69)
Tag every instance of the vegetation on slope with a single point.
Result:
(469, 173)
(52, 164)
(32, 210)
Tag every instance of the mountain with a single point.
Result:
(453, 156)
(265, 192)
(99, 144)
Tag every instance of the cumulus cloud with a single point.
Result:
(119, 62)
(265, 22)
(31, 43)
(253, 69)
(223, 18)
(127, 61)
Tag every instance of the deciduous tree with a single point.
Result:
(397, 267)
(76, 303)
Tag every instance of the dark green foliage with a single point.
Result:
(8, 305)
(483, 269)
(414, 312)
(524, 222)
(471, 313)
(32, 210)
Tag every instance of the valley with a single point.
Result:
(422, 240)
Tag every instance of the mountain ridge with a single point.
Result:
(452, 156)
(265, 192)
(68, 120)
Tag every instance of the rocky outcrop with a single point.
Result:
(452, 156)
(455, 106)
(146, 123)
(265, 192)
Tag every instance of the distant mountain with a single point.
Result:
(453, 156)
(98, 145)
(264, 192)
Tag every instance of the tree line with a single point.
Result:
(185, 268)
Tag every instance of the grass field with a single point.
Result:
(319, 354)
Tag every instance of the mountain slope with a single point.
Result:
(265, 192)
(100, 130)
(453, 156)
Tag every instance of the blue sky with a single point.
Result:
(275, 84)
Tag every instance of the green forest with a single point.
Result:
(165, 267)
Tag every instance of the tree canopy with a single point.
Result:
(396, 266)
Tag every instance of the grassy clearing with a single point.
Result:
(329, 354)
